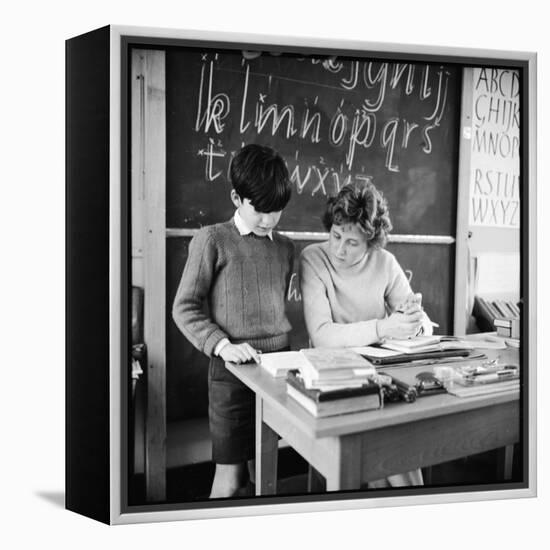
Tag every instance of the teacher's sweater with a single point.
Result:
(342, 305)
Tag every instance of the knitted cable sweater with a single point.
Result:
(243, 280)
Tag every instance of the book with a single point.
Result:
(505, 332)
(333, 402)
(483, 389)
(418, 343)
(487, 342)
(508, 308)
(484, 316)
(340, 365)
(513, 342)
(492, 309)
(320, 368)
(501, 309)
(472, 380)
(425, 344)
(280, 362)
(428, 357)
(332, 385)
(333, 359)
(375, 351)
(508, 328)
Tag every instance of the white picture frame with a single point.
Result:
(116, 42)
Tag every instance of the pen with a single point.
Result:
(490, 376)
(401, 310)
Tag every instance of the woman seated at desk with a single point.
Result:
(353, 289)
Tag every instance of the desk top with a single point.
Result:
(273, 391)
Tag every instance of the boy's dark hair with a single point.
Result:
(364, 205)
(259, 174)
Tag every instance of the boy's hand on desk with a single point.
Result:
(239, 353)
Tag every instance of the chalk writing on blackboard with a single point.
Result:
(294, 294)
(335, 120)
(494, 188)
(357, 122)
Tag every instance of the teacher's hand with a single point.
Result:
(412, 304)
(400, 325)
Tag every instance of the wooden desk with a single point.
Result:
(352, 449)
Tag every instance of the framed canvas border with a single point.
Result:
(120, 37)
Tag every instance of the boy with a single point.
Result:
(241, 269)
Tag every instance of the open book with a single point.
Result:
(412, 345)
(425, 344)
(421, 348)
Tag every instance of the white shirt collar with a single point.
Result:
(243, 229)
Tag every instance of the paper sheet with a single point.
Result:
(498, 275)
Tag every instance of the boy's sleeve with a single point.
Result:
(322, 329)
(193, 290)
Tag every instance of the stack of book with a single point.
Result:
(487, 311)
(334, 401)
(320, 367)
(334, 368)
(507, 327)
(327, 381)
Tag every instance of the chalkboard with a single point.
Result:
(334, 121)
(431, 271)
(187, 368)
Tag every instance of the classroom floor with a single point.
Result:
(192, 483)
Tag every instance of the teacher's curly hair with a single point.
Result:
(361, 204)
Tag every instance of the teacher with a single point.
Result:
(354, 291)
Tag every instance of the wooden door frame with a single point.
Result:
(148, 181)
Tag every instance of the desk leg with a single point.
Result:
(427, 475)
(315, 481)
(266, 454)
(346, 471)
(505, 458)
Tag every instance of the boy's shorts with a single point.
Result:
(231, 412)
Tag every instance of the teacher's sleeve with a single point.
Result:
(398, 287)
(398, 290)
(322, 329)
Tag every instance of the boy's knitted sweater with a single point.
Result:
(243, 280)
